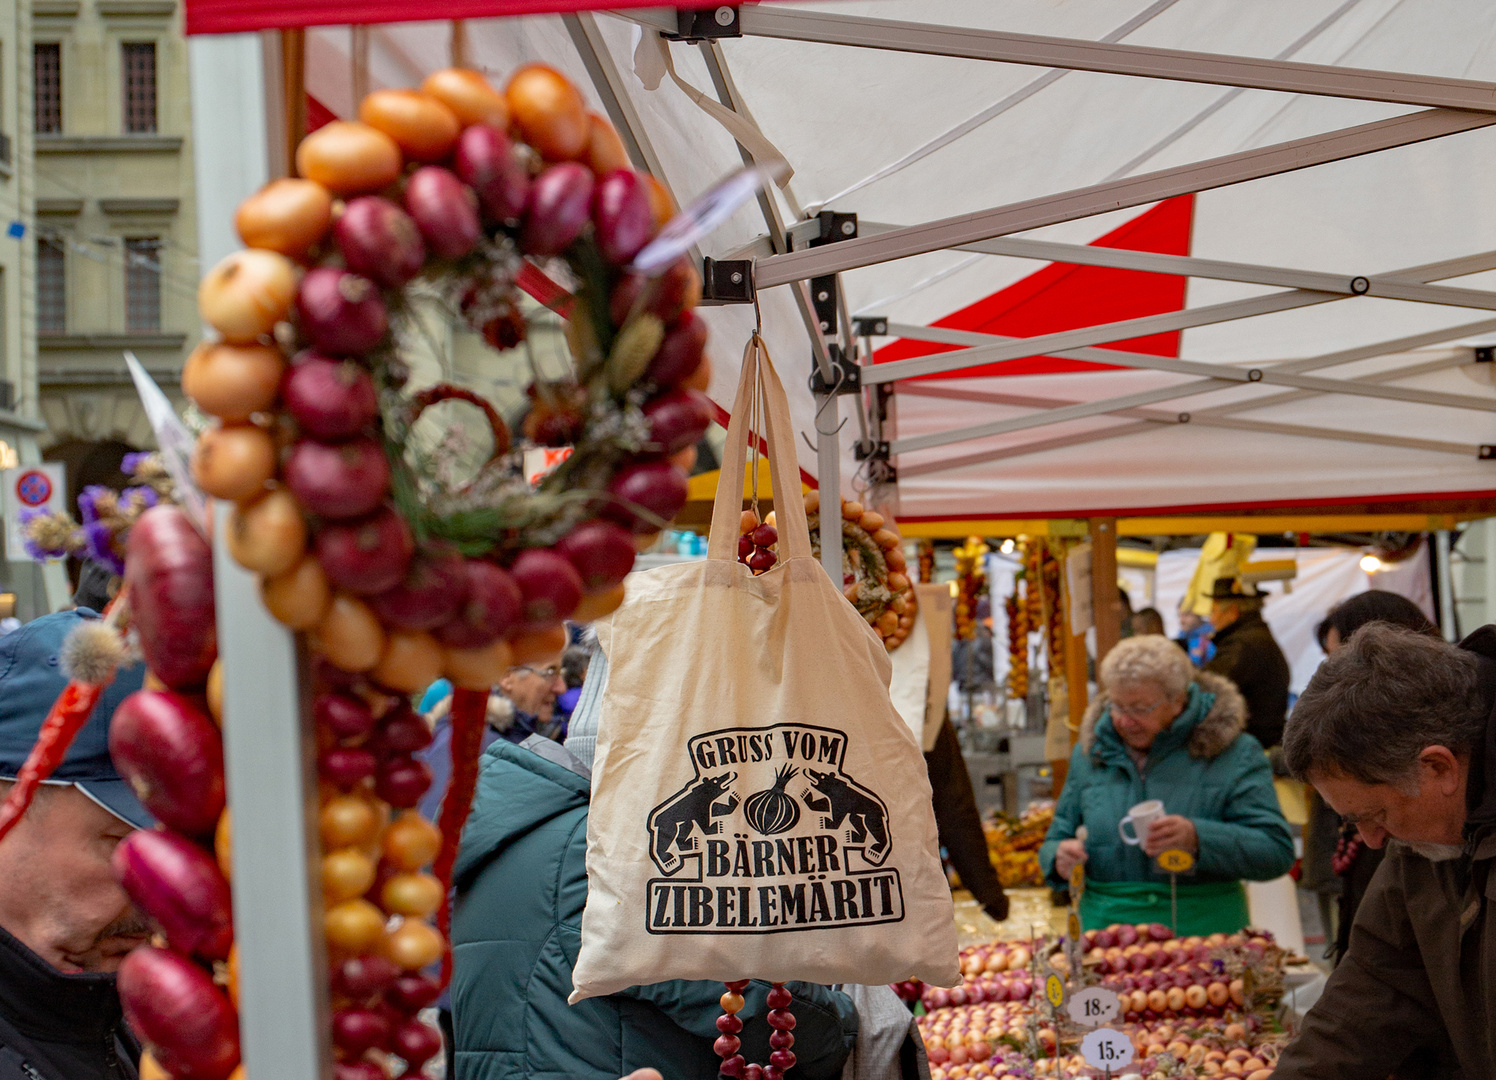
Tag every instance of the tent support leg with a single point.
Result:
(1105, 601)
(828, 477)
(1442, 551)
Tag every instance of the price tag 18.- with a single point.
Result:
(1106, 1049)
(1093, 1006)
(1077, 882)
(1054, 990)
(1176, 861)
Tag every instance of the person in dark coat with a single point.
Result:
(960, 824)
(1248, 655)
(1397, 731)
(521, 882)
(65, 924)
(1352, 862)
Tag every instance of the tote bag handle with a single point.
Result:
(759, 385)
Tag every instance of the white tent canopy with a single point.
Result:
(901, 137)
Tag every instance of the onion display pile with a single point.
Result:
(396, 575)
(875, 574)
(971, 585)
(997, 1025)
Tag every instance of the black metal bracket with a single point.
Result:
(880, 469)
(1487, 452)
(704, 24)
(1485, 354)
(726, 281)
(870, 326)
(823, 296)
(846, 376)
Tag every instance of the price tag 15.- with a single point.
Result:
(1093, 1006)
(1176, 861)
(1106, 1049)
(1054, 990)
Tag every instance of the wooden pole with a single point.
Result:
(459, 54)
(293, 91)
(1105, 599)
(1076, 681)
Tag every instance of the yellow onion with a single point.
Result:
(412, 661)
(354, 926)
(480, 668)
(223, 844)
(538, 644)
(235, 461)
(605, 152)
(414, 945)
(289, 215)
(469, 96)
(349, 158)
(597, 604)
(349, 635)
(411, 842)
(233, 382)
(350, 821)
(412, 895)
(246, 294)
(298, 598)
(346, 873)
(215, 692)
(549, 112)
(268, 535)
(423, 128)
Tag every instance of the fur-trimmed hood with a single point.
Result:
(1226, 720)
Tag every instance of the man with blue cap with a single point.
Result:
(65, 924)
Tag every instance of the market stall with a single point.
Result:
(1225, 205)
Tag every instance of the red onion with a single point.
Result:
(656, 486)
(345, 767)
(380, 241)
(364, 976)
(358, 1070)
(343, 481)
(488, 163)
(169, 568)
(171, 753)
(401, 731)
(445, 210)
(621, 215)
(677, 419)
(679, 354)
(549, 584)
(558, 212)
(761, 560)
(402, 781)
(330, 399)
(368, 555)
(343, 714)
(601, 551)
(173, 1006)
(764, 536)
(357, 1030)
(179, 885)
(416, 1042)
(413, 992)
(342, 313)
(493, 607)
(670, 295)
(431, 594)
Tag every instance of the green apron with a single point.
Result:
(1213, 907)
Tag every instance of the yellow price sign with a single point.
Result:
(1078, 879)
(1074, 928)
(1176, 861)
(1054, 990)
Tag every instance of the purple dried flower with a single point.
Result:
(34, 549)
(88, 502)
(101, 546)
(131, 463)
(146, 495)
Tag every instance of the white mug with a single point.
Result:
(1140, 816)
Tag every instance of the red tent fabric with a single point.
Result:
(237, 16)
(1066, 297)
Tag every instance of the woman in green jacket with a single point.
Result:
(1162, 730)
(521, 880)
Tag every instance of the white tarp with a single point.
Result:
(841, 115)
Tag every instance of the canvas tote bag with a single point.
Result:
(759, 810)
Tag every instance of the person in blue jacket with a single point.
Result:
(521, 882)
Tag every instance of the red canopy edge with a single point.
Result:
(1433, 502)
(238, 16)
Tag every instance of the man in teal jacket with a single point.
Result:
(1206, 769)
(521, 880)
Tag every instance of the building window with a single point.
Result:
(140, 86)
(51, 287)
(143, 284)
(47, 75)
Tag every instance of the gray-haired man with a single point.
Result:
(1395, 731)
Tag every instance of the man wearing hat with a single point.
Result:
(65, 924)
(1248, 655)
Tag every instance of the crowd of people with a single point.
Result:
(1396, 733)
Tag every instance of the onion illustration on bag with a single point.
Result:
(774, 810)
